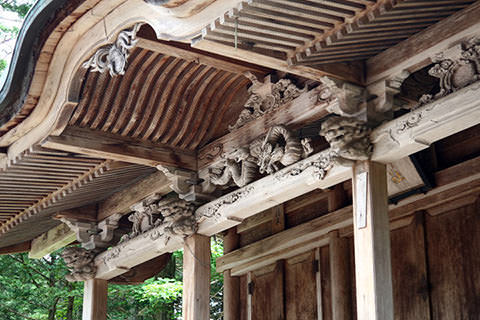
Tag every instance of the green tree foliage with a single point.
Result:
(10, 33)
(37, 289)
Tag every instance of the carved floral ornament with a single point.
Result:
(113, 57)
(456, 68)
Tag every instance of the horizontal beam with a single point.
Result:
(16, 248)
(104, 145)
(200, 57)
(414, 53)
(121, 201)
(52, 240)
(314, 233)
(347, 72)
(304, 109)
(394, 140)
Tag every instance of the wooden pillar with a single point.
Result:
(372, 242)
(95, 299)
(231, 285)
(196, 278)
(340, 277)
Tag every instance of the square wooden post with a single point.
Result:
(95, 295)
(196, 278)
(373, 269)
(231, 285)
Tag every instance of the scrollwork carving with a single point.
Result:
(113, 57)
(349, 139)
(456, 68)
(80, 263)
(265, 97)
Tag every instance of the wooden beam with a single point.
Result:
(196, 278)
(104, 145)
(340, 277)
(394, 140)
(95, 299)
(85, 213)
(415, 52)
(304, 109)
(231, 285)
(16, 248)
(348, 72)
(201, 57)
(373, 270)
(121, 201)
(52, 240)
(144, 271)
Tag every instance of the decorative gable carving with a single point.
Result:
(113, 57)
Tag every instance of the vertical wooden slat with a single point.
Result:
(318, 280)
(372, 242)
(278, 218)
(231, 285)
(409, 271)
(340, 277)
(196, 278)
(95, 299)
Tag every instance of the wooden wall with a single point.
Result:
(435, 265)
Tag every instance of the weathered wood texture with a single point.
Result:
(121, 201)
(231, 285)
(301, 287)
(435, 271)
(373, 271)
(144, 271)
(267, 295)
(52, 240)
(96, 143)
(177, 98)
(416, 52)
(95, 300)
(196, 278)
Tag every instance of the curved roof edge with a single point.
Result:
(39, 23)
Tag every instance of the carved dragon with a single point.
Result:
(279, 148)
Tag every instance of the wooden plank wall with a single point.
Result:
(435, 270)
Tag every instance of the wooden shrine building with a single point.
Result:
(334, 145)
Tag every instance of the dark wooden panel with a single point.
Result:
(268, 297)
(409, 271)
(300, 287)
(243, 297)
(326, 283)
(453, 246)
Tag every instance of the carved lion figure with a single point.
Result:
(349, 139)
(79, 261)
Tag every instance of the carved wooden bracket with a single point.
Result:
(349, 139)
(345, 99)
(113, 57)
(456, 68)
(80, 263)
(186, 184)
(92, 235)
(385, 91)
